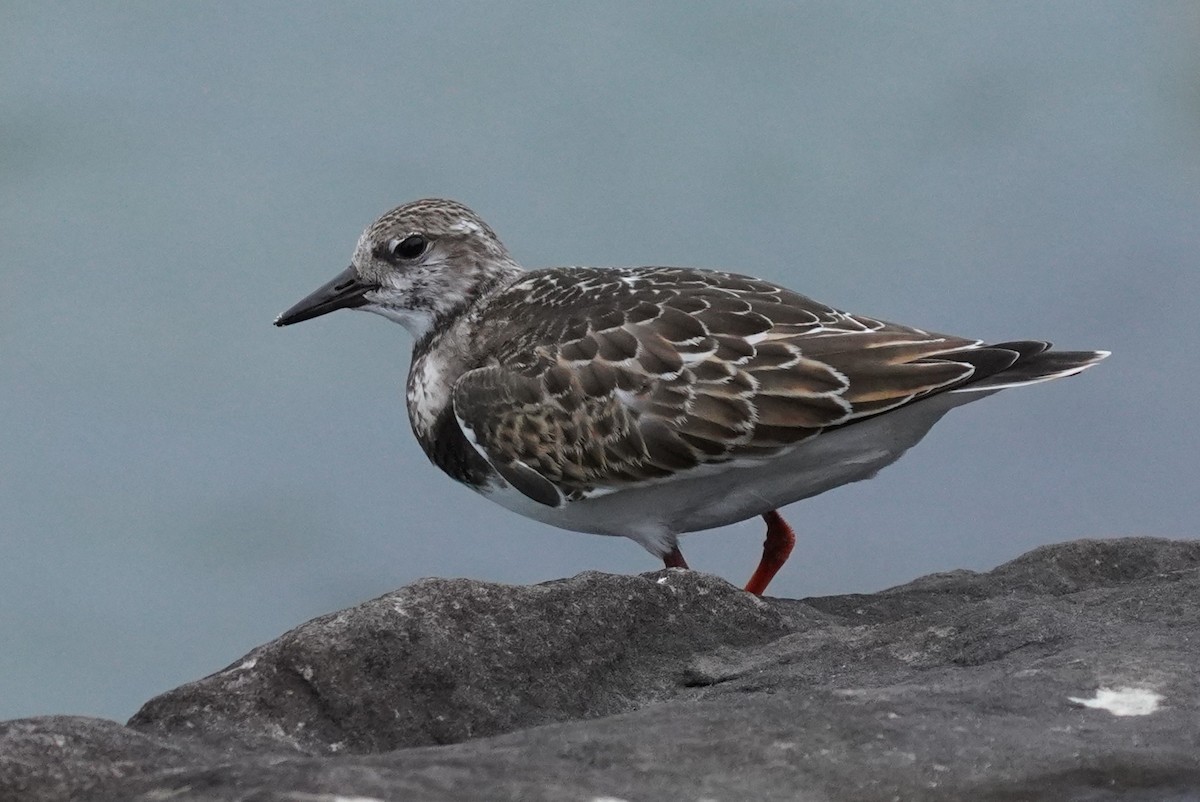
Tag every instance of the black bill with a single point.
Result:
(343, 291)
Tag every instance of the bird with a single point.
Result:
(651, 402)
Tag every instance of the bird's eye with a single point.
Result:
(410, 247)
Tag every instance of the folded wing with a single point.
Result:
(627, 377)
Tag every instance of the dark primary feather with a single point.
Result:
(597, 379)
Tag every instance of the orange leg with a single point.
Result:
(776, 548)
(674, 559)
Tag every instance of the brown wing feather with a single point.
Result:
(611, 387)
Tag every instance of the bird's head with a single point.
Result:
(420, 262)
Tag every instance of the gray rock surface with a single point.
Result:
(1071, 673)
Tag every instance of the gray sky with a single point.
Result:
(181, 481)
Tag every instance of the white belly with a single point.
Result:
(712, 496)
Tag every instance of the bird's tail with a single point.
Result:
(1034, 363)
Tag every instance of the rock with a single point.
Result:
(442, 661)
(1067, 674)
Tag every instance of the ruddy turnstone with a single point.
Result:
(653, 401)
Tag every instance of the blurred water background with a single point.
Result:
(180, 481)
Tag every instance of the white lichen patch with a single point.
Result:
(1124, 701)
